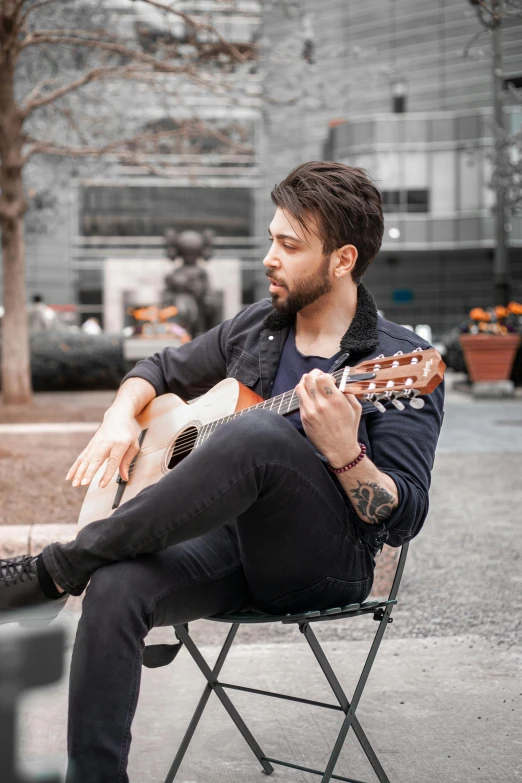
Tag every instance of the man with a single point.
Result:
(281, 514)
(41, 317)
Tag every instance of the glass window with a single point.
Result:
(362, 133)
(417, 201)
(415, 130)
(469, 229)
(416, 231)
(443, 182)
(442, 129)
(387, 131)
(469, 127)
(387, 170)
(515, 120)
(391, 200)
(415, 169)
(470, 185)
(442, 230)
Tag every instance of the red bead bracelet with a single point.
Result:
(351, 464)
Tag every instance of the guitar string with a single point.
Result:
(279, 408)
(280, 399)
(189, 443)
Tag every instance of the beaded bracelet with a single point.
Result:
(351, 464)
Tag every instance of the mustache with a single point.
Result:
(276, 281)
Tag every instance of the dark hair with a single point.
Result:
(37, 298)
(343, 200)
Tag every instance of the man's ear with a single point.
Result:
(346, 259)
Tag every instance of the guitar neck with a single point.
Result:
(282, 404)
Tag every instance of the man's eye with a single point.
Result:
(289, 247)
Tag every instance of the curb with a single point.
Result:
(31, 539)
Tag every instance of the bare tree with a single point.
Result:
(65, 66)
(506, 154)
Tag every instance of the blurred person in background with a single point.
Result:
(91, 326)
(41, 316)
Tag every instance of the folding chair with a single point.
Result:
(159, 655)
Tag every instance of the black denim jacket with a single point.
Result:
(248, 347)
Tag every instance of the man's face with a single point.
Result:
(296, 266)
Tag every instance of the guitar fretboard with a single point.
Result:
(282, 404)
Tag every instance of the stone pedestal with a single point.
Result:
(136, 281)
(493, 389)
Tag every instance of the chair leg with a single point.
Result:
(213, 685)
(350, 719)
(201, 705)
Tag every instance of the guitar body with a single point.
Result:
(170, 428)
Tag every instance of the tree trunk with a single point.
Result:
(16, 372)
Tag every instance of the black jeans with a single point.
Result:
(251, 517)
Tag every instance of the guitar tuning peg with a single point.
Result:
(380, 407)
(417, 403)
(398, 404)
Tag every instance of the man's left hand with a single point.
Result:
(330, 418)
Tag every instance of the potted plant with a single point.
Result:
(490, 341)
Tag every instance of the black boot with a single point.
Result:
(21, 594)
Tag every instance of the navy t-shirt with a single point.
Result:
(292, 366)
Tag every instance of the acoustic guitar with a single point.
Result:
(169, 428)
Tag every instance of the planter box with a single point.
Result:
(489, 357)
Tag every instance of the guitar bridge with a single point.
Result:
(119, 481)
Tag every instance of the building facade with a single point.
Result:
(207, 177)
(390, 87)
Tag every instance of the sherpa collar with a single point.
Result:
(361, 336)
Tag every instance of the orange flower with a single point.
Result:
(478, 314)
(500, 312)
(515, 307)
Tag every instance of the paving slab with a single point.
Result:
(48, 428)
(435, 709)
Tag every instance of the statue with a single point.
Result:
(187, 286)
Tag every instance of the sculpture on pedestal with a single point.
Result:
(187, 286)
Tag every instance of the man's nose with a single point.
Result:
(270, 258)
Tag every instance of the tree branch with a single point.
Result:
(49, 147)
(96, 74)
(37, 90)
(198, 25)
(470, 43)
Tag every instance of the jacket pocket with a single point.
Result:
(244, 368)
(325, 594)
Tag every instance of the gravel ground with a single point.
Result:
(59, 406)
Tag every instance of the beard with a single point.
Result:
(304, 292)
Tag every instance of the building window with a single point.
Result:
(417, 201)
(515, 80)
(115, 210)
(391, 201)
(405, 200)
(399, 98)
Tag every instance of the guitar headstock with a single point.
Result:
(392, 378)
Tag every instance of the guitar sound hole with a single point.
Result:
(184, 444)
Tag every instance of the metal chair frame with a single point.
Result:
(381, 612)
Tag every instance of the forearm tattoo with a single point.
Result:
(374, 503)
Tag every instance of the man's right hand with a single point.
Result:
(116, 441)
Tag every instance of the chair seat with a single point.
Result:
(256, 616)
